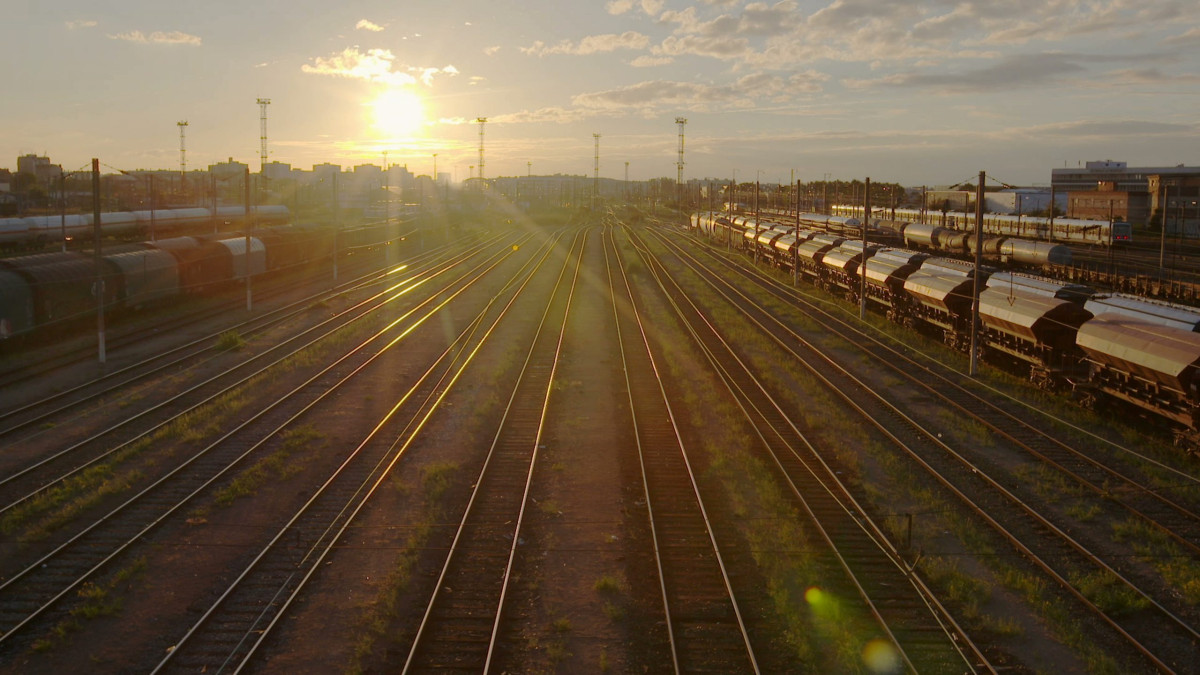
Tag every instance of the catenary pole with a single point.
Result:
(862, 266)
(976, 285)
(99, 285)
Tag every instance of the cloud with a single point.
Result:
(374, 65)
(1013, 72)
(363, 24)
(556, 115)
(787, 33)
(72, 25)
(645, 61)
(618, 7)
(1108, 129)
(807, 82)
(652, 96)
(1145, 76)
(173, 37)
(593, 44)
(714, 47)
(1188, 39)
(492, 51)
(652, 7)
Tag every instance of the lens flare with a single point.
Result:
(880, 657)
(398, 113)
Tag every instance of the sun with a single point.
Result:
(398, 113)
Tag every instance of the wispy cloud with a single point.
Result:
(645, 61)
(1019, 71)
(593, 44)
(374, 65)
(651, 97)
(1188, 39)
(618, 7)
(173, 37)
(363, 24)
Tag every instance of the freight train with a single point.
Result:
(911, 234)
(51, 289)
(1037, 228)
(1103, 347)
(38, 231)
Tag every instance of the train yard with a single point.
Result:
(588, 447)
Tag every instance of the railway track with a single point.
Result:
(1158, 630)
(231, 632)
(36, 478)
(705, 626)
(926, 638)
(32, 595)
(23, 416)
(464, 615)
(69, 352)
(1170, 503)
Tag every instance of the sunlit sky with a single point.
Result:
(916, 92)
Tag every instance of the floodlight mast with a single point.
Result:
(262, 137)
(482, 121)
(682, 122)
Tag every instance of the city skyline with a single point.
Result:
(915, 93)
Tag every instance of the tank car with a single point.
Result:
(16, 304)
(1149, 365)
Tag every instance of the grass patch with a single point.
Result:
(274, 466)
(1109, 593)
(93, 601)
(1155, 548)
(230, 341)
(436, 478)
(608, 585)
(68, 499)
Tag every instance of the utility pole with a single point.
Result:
(337, 229)
(976, 286)
(1050, 237)
(1162, 236)
(862, 266)
(99, 286)
(388, 232)
(596, 174)
(757, 220)
(796, 243)
(150, 190)
(248, 224)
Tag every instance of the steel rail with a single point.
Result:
(292, 578)
(976, 472)
(742, 382)
(91, 565)
(279, 353)
(510, 457)
(638, 362)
